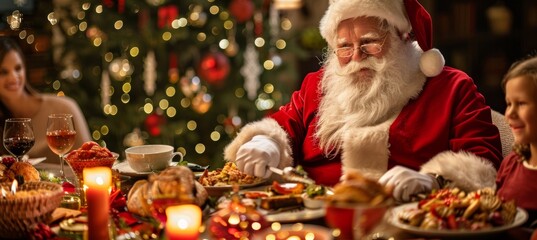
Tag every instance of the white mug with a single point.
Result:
(151, 157)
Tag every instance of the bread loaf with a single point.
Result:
(137, 200)
(179, 179)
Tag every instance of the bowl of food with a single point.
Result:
(357, 206)
(25, 205)
(315, 196)
(90, 154)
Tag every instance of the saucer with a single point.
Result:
(125, 169)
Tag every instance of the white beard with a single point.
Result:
(352, 100)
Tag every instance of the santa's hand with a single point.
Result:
(407, 183)
(255, 156)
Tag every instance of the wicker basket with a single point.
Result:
(18, 215)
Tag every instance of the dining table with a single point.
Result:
(385, 229)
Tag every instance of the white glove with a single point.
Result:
(255, 156)
(407, 182)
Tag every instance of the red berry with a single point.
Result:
(8, 161)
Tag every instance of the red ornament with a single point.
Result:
(166, 15)
(242, 10)
(153, 122)
(214, 68)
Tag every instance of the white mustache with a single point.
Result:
(353, 67)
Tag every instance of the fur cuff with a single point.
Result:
(366, 150)
(268, 127)
(464, 170)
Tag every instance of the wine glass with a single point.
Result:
(165, 191)
(18, 136)
(61, 137)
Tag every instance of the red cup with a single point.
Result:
(354, 220)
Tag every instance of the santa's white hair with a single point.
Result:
(350, 101)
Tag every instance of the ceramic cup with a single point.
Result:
(150, 158)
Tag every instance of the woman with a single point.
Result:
(19, 100)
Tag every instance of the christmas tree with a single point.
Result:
(186, 73)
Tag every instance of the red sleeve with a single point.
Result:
(505, 169)
(298, 116)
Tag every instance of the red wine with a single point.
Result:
(18, 146)
(61, 141)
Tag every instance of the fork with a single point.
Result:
(291, 174)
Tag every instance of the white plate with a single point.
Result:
(297, 215)
(297, 231)
(218, 191)
(125, 169)
(35, 161)
(520, 218)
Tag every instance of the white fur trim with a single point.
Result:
(365, 149)
(391, 10)
(266, 126)
(432, 62)
(466, 171)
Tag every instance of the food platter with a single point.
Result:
(520, 218)
(217, 191)
(296, 215)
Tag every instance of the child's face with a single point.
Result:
(521, 111)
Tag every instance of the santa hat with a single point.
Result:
(408, 16)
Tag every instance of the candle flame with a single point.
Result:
(14, 186)
(99, 180)
(4, 193)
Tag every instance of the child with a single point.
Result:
(518, 172)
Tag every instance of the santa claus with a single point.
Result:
(383, 104)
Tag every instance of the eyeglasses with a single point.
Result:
(368, 48)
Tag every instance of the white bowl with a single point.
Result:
(313, 203)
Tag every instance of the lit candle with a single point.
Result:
(98, 182)
(183, 222)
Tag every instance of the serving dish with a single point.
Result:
(520, 217)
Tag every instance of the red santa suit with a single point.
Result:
(449, 115)
(445, 128)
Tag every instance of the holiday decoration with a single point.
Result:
(236, 221)
(173, 71)
(166, 76)
(150, 75)
(166, 15)
(202, 102)
(14, 20)
(287, 4)
(120, 68)
(190, 84)
(105, 88)
(153, 124)
(134, 138)
(242, 10)
(251, 71)
(214, 68)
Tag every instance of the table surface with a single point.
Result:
(387, 229)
